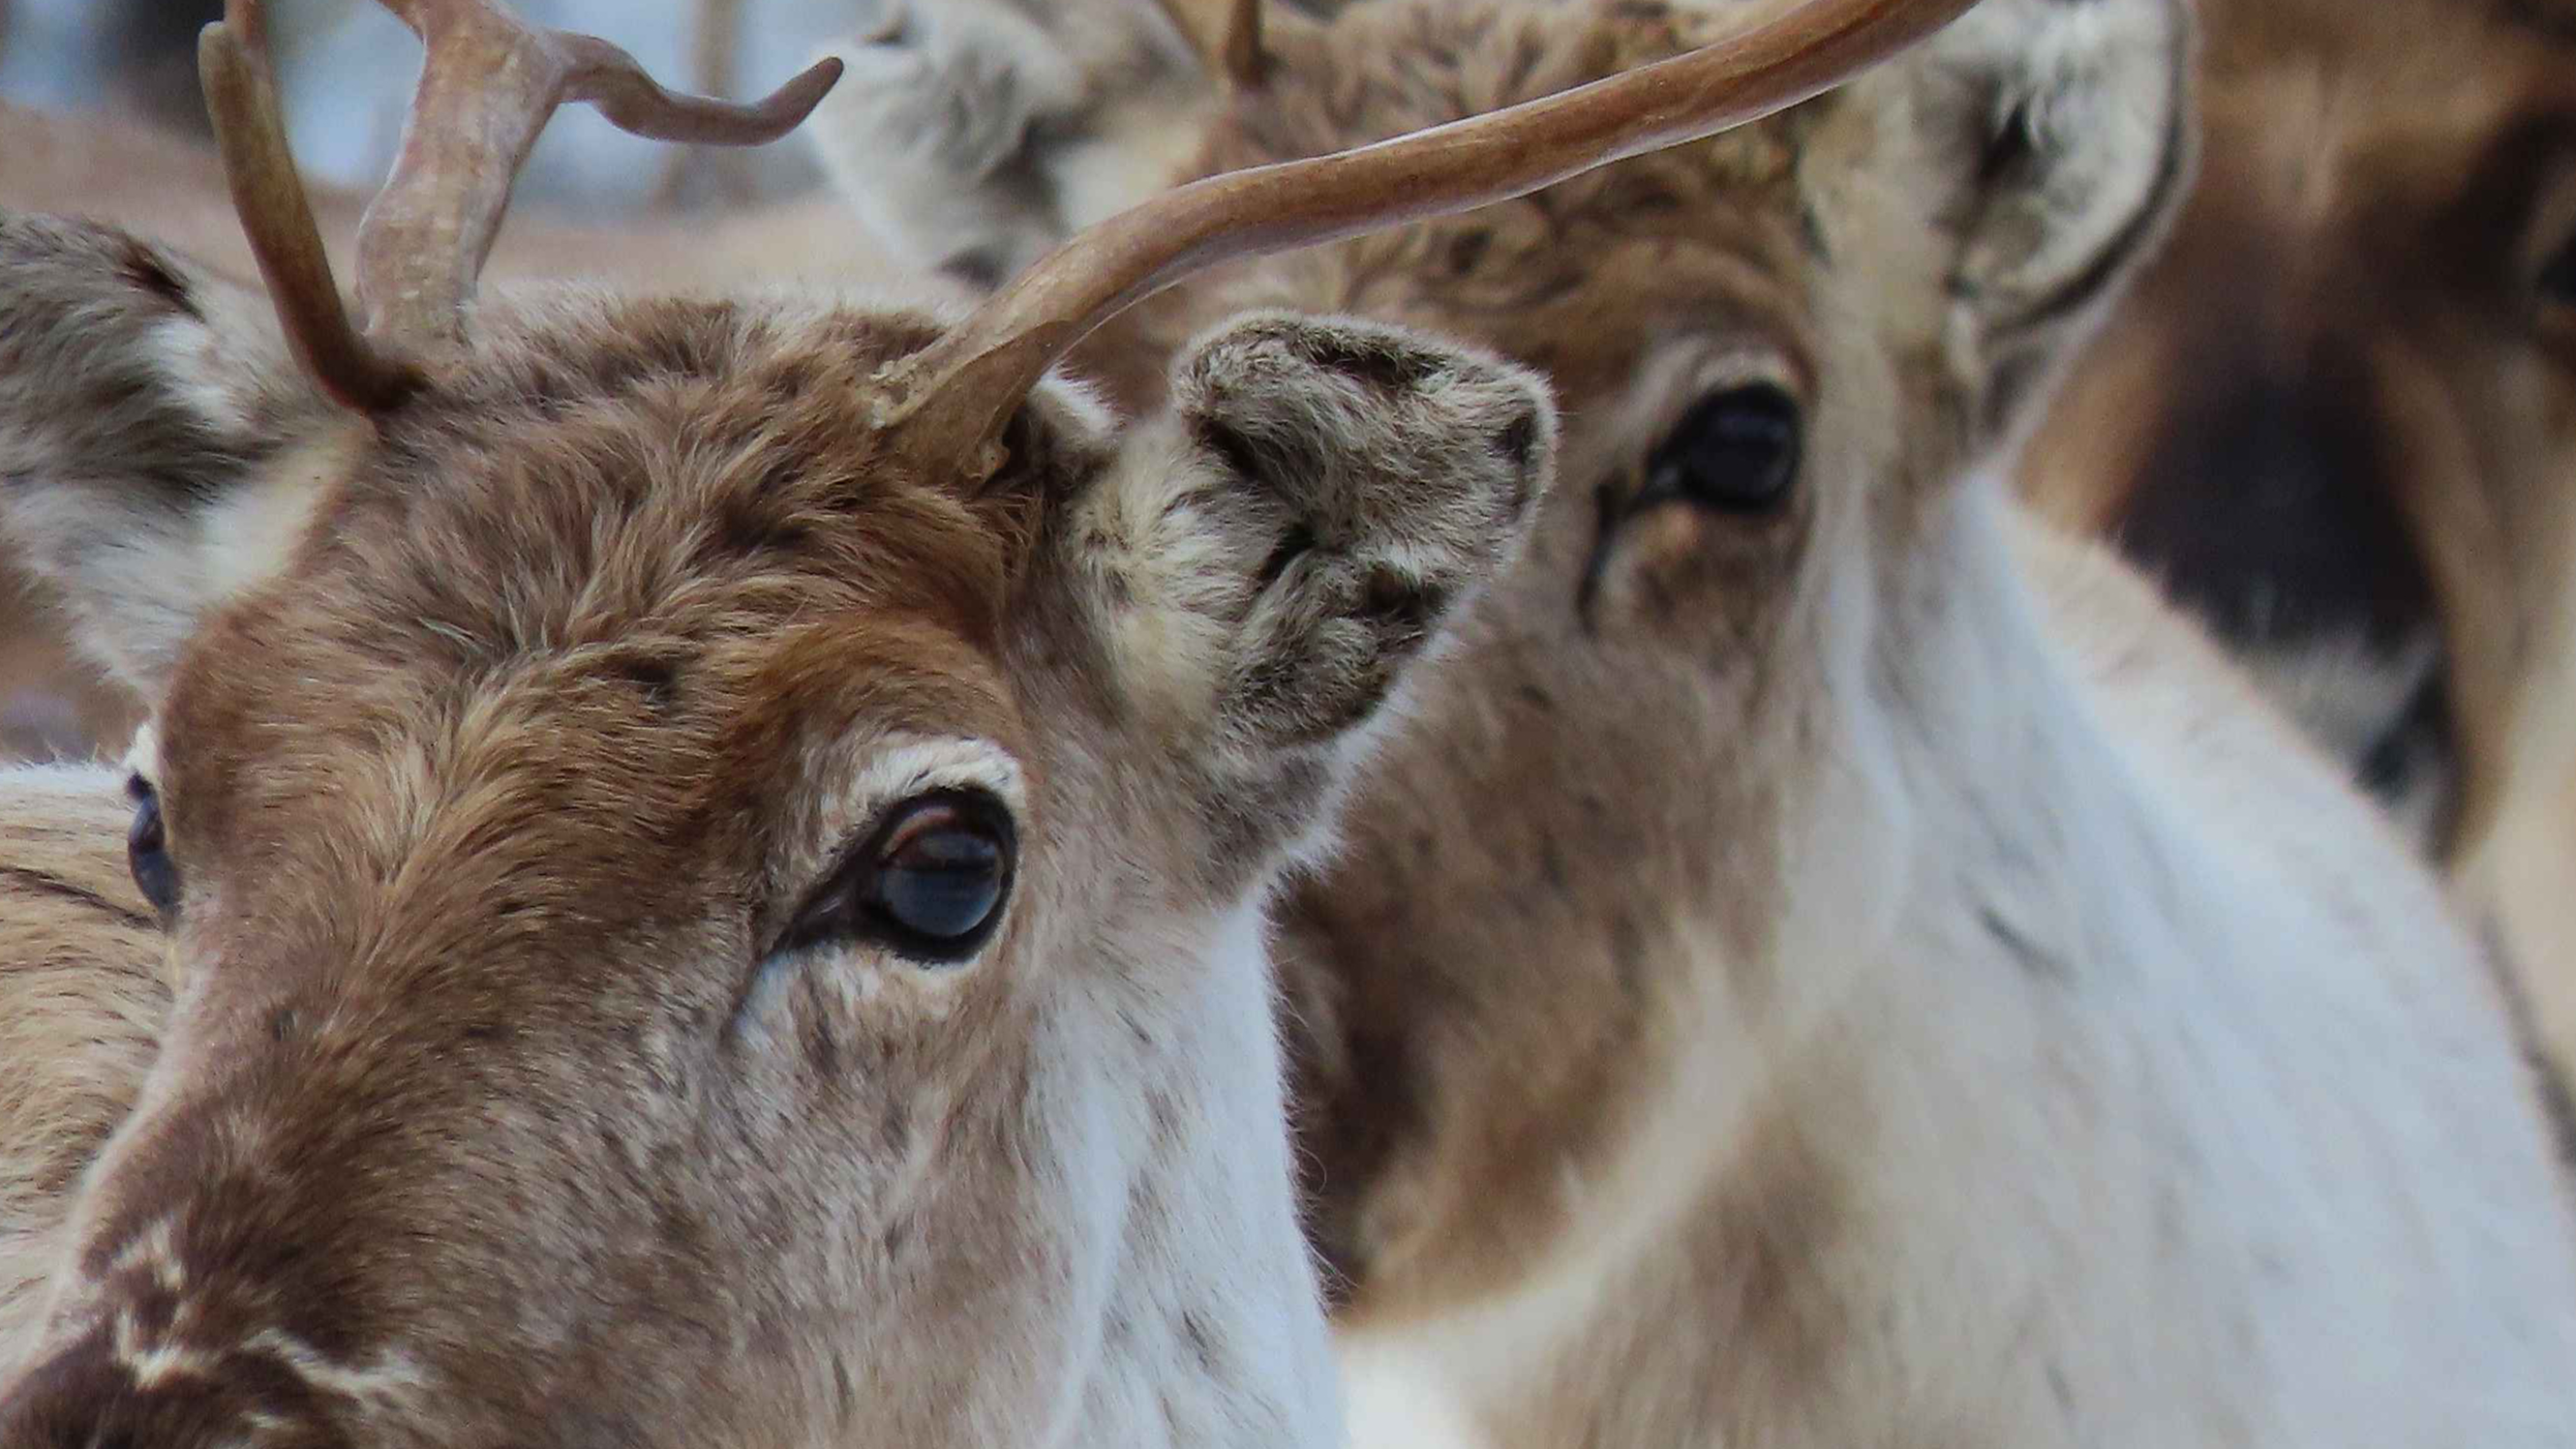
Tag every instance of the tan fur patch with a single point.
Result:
(82, 1004)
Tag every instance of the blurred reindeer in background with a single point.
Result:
(2337, 418)
(978, 134)
(133, 57)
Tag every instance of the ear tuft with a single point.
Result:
(153, 275)
(1383, 438)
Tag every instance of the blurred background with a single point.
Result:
(346, 66)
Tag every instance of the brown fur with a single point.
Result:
(171, 188)
(500, 738)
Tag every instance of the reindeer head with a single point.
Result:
(1649, 815)
(714, 847)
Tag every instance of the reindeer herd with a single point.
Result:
(1376, 754)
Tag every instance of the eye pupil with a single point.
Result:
(147, 851)
(1737, 450)
(942, 884)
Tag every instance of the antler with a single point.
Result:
(487, 88)
(950, 401)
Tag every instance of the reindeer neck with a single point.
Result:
(2058, 741)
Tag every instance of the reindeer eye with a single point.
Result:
(147, 850)
(940, 878)
(931, 884)
(1736, 451)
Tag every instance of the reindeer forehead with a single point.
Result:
(1383, 71)
(1697, 231)
(632, 530)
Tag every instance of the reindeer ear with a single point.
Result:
(144, 408)
(2065, 128)
(1319, 495)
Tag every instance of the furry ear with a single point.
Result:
(2065, 128)
(147, 414)
(1319, 495)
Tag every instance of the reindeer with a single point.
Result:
(2346, 466)
(713, 849)
(1830, 961)
(2334, 417)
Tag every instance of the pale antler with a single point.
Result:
(715, 54)
(488, 85)
(949, 402)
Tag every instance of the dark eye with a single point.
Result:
(929, 885)
(1736, 450)
(147, 851)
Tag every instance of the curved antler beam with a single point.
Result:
(951, 399)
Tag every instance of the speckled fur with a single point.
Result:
(499, 739)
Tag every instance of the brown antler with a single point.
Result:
(950, 401)
(487, 88)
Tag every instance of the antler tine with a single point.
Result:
(277, 216)
(950, 401)
(488, 86)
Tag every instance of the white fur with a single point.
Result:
(1224, 1182)
(2250, 1162)
(2164, 1102)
